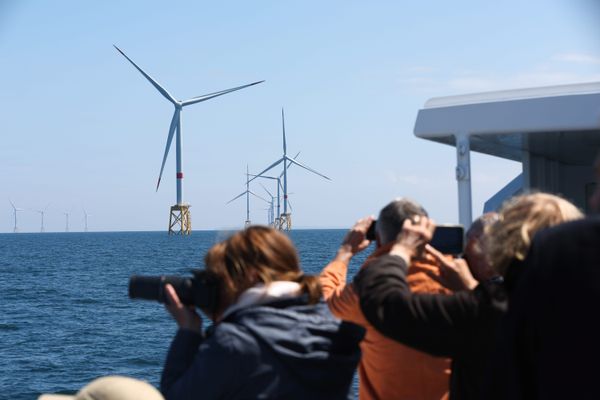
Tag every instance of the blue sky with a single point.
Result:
(82, 129)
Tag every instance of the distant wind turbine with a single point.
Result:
(179, 212)
(42, 212)
(15, 211)
(271, 209)
(66, 214)
(86, 215)
(247, 192)
(286, 217)
(279, 186)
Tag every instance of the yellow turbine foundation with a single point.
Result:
(180, 220)
(285, 222)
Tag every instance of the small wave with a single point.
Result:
(87, 301)
(142, 362)
(8, 327)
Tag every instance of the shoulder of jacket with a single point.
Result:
(232, 337)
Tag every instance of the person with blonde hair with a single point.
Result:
(549, 347)
(273, 336)
(520, 218)
(462, 325)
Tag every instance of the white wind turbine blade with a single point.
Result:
(209, 96)
(263, 176)
(266, 190)
(236, 197)
(255, 195)
(162, 91)
(307, 168)
(290, 205)
(283, 126)
(12, 204)
(276, 163)
(289, 164)
(172, 128)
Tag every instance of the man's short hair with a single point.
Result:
(392, 217)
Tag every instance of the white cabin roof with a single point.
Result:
(561, 123)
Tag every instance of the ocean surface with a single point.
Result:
(65, 317)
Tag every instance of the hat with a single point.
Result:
(111, 388)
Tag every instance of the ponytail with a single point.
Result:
(310, 286)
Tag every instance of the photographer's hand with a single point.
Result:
(415, 234)
(355, 240)
(186, 316)
(454, 273)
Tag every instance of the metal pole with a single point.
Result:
(178, 156)
(463, 178)
(247, 195)
(278, 197)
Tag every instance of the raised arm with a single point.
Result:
(438, 324)
(340, 296)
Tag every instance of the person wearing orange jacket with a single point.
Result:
(388, 369)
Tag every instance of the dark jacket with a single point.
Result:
(280, 350)
(461, 326)
(550, 341)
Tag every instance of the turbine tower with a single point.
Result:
(86, 215)
(42, 212)
(15, 211)
(286, 218)
(66, 214)
(247, 192)
(179, 217)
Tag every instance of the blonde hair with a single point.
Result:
(257, 254)
(520, 218)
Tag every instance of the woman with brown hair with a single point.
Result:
(272, 336)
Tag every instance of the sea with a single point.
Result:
(65, 315)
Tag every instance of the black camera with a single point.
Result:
(201, 290)
(371, 231)
(448, 239)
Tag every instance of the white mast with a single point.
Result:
(67, 221)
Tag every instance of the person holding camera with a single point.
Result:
(388, 369)
(463, 325)
(273, 336)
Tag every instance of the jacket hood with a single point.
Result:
(310, 343)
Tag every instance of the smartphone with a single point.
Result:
(371, 231)
(448, 239)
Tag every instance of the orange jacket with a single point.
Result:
(388, 369)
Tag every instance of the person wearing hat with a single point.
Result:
(111, 388)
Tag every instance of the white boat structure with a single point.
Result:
(553, 131)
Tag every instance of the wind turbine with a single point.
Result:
(86, 215)
(66, 214)
(279, 186)
(247, 192)
(15, 211)
(179, 215)
(285, 218)
(271, 209)
(42, 212)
